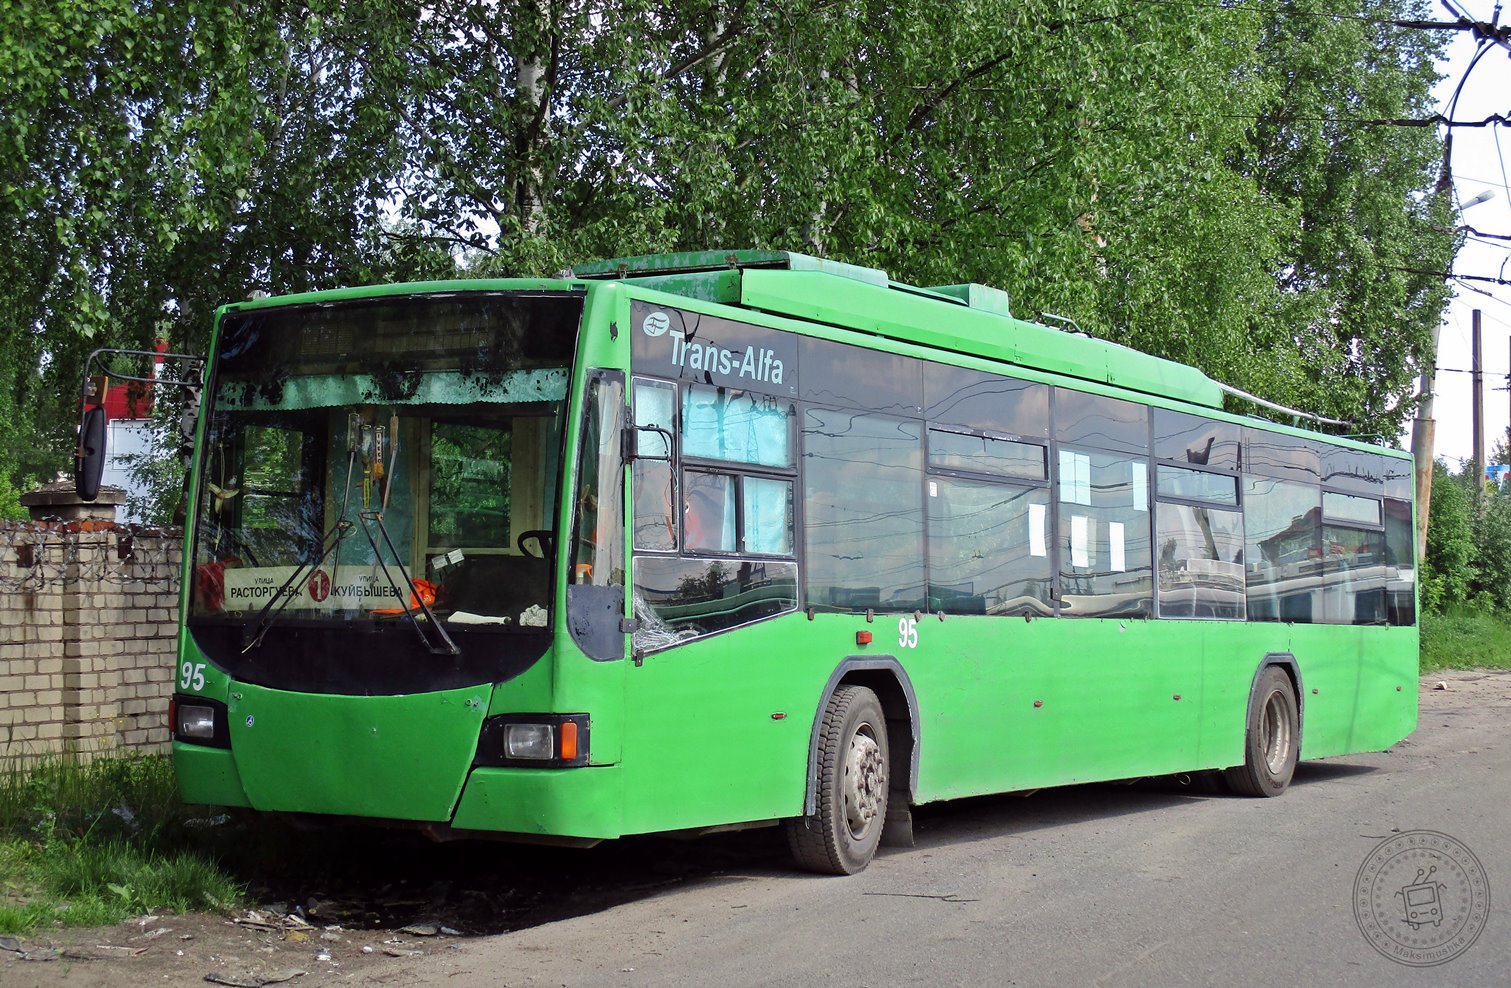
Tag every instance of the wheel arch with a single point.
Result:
(1286, 661)
(884, 676)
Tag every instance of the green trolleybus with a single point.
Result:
(703, 541)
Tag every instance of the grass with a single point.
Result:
(1465, 639)
(89, 843)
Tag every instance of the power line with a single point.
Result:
(1482, 29)
(1486, 32)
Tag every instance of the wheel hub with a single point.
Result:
(865, 783)
(1275, 734)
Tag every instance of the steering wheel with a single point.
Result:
(542, 538)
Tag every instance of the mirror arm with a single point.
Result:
(80, 453)
(629, 447)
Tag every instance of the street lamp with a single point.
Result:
(1485, 196)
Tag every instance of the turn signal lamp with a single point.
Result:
(863, 638)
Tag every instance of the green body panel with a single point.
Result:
(1359, 687)
(575, 802)
(402, 757)
(208, 776)
(705, 286)
(703, 747)
(1003, 704)
(982, 297)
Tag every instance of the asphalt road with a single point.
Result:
(1095, 885)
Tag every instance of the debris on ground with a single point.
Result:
(102, 951)
(254, 980)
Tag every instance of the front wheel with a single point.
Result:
(840, 838)
(1272, 741)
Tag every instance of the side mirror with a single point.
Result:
(89, 459)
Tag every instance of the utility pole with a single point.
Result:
(1422, 434)
(1479, 406)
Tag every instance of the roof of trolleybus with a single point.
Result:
(966, 320)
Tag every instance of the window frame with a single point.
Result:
(681, 464)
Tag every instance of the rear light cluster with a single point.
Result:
(196, 720)
(538, 740)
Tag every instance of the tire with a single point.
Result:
(840, 838)
(1272, 741)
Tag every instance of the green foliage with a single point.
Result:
(1449, 570)
(159, 159)
(1210, 182)
(1492, 543)
(91, 843)
(1465, 638)
(136, 881)
(63, 796)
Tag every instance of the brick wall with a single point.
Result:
(87, 636)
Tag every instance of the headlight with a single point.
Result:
(199, 720)
(529, 741)
(195, 721)
(536, 740)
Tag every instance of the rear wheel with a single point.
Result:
(841, 836)
(1272, 741)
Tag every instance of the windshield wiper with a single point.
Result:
(330, 541)
(446, 645)
(258, 626)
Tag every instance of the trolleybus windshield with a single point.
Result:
(385, 461)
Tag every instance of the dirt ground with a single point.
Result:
(398, 910)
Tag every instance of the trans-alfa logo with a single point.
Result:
(655, 324)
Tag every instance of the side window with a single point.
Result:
(595, 596)
(1200, 544)
(1104, 534)
(736, 426)
(723, 495)
(1400, 564)
(1282, 550)
(988, 535)
(708, 515)
(738, 496)
(1197, 441)
(863, 511)
(1353, 552)
(655, 493)
(766, 512)
(598, 545)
